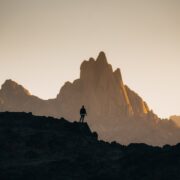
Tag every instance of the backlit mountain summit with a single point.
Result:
(102, 91)
(114, 110)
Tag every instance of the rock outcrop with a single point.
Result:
(114, 110)
(45, 148)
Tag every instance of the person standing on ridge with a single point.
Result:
(82, 114)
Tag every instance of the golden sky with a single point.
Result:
(43, 42)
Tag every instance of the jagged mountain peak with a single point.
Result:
(113, 108)
(102, 58)
(10, 82)
(117, 74)
(96, 67)
(12, 87)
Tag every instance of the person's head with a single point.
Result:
(82, 106)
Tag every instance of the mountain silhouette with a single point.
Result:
(15, 98)
(114, 110)
(38, 147)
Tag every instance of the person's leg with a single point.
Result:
(82, 118)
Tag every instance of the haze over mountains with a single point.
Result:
(114, 110)
(175, 119)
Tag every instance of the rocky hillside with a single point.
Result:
(37, 147)
(114, 110)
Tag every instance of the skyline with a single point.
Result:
(43, 43)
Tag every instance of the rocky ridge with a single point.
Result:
(114, 110)
(38, 147)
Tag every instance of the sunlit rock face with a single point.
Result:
(140, 108)
(176, 120)
(114, 110)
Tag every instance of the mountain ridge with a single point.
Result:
(39, 147)
(114, 110)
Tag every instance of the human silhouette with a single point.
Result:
(82, 114)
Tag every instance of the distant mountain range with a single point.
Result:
(114, 110)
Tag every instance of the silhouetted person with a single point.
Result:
(82, 114)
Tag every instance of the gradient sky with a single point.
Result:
(43, 42)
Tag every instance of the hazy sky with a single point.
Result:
(43, 42)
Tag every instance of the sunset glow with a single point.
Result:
(43, 43)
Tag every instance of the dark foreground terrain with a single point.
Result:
(44, 148)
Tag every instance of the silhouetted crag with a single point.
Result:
(34, 148)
